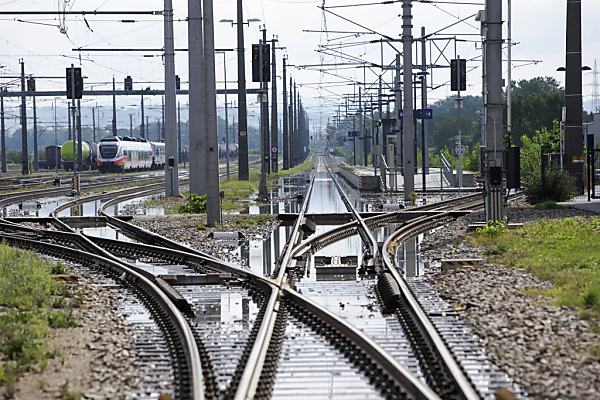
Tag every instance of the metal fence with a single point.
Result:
(594, 173)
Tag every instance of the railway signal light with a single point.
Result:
(128, 83)
(266, 62)
(454, 67)
(177, 82)
(31, 84)
(78, 84)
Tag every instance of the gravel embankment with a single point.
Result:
(543, 347)
(184, 229)
(96, 357)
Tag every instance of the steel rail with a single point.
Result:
(253, 369)
(82, 200)
(186, 335)
(398, 372)
(394, 370)
(249, 381)
(11, 198)
(365, 233)
(463, 385)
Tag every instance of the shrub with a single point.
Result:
(591, 298)
(493, 229)
(413, 198)
(195, 205)
(559, 185)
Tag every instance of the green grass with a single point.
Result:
(347, 168)
(155, 201)
(239, 194)
(565, 252)
(307, 165)
(239, 190)
(549, 205)
(28, 297)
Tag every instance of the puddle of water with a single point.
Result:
(105, 232)
(260, 256)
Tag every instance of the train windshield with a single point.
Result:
(108, 150)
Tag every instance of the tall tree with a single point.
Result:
(536, 103)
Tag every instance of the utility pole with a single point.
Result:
(274, 131)
(72, 117)
(24, 147)
(459, 172)
(425, 138)
(409, 136)
(243, 169)
(142, 130)
(362, 135)
(169, 122)
(162, 130)
(130, 125)
(3, 131)
(94, 122)
(573, 98)
(79, 139)
(226, 115)
(494, 153)
(55, 140)
(114, 110)
(264, 122)
(296, 135)
(178, 132)
(213, 199)
(197, 113)
(292, 161)
(286, 143)
(31, 88)
(399, 154)
(509, 78)
(69, 112)
(379, 137)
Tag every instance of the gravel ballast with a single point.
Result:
(543, 347)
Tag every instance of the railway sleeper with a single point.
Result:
(260, 297)
(267, 377)
(388, 388)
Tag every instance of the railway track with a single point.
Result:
(296, 337)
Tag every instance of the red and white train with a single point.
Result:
(122, 153)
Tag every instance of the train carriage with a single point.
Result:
(158, 155)
(120, 154)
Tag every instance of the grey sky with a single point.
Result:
(538, 28)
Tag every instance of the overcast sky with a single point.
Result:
(538, 31)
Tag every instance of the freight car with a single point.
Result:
(53, 158)
(233, 150)
(89, 151)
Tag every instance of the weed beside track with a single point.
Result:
(565, 252)
(32, 304)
